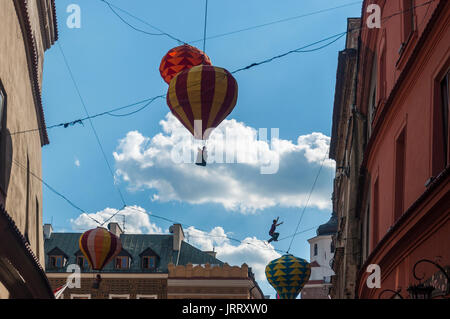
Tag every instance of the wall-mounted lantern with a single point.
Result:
(420, 290)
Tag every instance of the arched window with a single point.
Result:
(315, 249)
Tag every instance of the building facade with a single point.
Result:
(321, 255)
(346, 148)
(400, 193)
(28, 29)
(406, 191)
(212, 282)
(148, 267)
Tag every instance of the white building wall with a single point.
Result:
(323, 257)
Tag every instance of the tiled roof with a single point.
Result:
(134, 244)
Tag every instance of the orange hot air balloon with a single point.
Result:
(99, 246)
(203, 93)
(181, 58)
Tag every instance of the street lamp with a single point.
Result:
(420, 290)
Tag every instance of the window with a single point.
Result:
(375, 213)
(146, 297)
(441, 130)
(2, 106)
(445, 92)
(372, 105)
(27, 200)
(315, 249)
(82, 262)
(56, 261)
(80, 296)
(149, 262)
(3, 152)
(408, 19)
(38, 228)
(122, 262)
(400, 152)
(382, 74)
(367, 231)
(57, 258)
(113, 296)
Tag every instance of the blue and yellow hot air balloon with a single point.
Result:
(288, 274)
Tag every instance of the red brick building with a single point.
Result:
(403, 90)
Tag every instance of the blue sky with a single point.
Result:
(115, 65)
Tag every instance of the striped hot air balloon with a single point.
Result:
(99, 246)
(202, 97)
(181, 58)
(288, 274)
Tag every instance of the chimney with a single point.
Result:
(178, 236)
(211, 253)
(48, 229)
(115, 229)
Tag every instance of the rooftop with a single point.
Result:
(330, 227)
(134, 244)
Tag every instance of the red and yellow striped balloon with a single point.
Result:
(203, 93)
(181, 58)
(99, 246)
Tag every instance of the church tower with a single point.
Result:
(321, 255)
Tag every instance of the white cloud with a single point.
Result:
(137, 220)
(77, 162)
(252, 251)
(146, 163)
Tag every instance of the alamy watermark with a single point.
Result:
(230, 147)
(374, 279)
(74, 19)
(74, 279)
(374, 19)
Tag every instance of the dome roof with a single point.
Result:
(330, 227)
